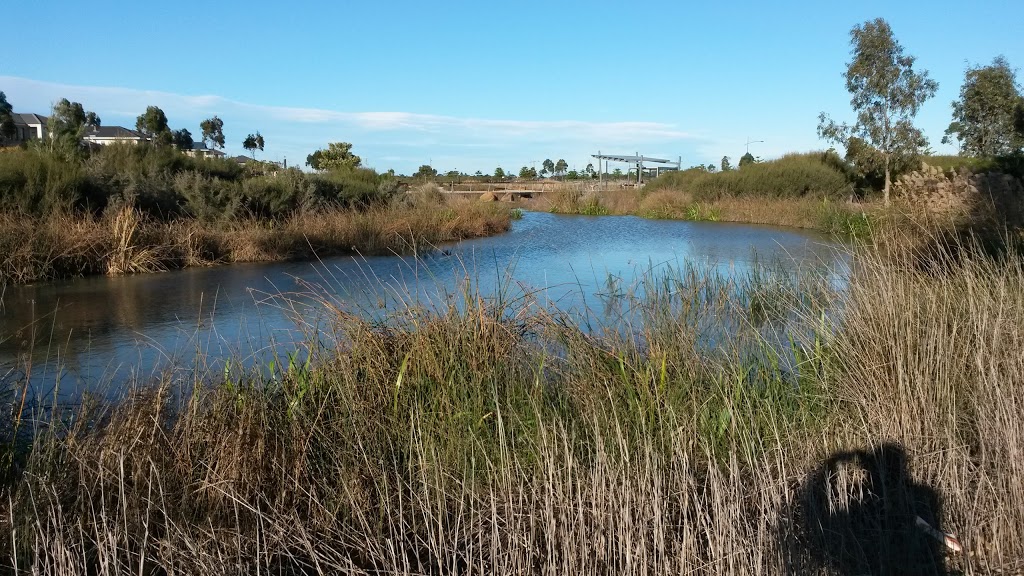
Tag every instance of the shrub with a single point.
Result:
(819, 174)
(36, 183)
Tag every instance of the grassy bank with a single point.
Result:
(127, 242)
(836, 217)
(128, 209)
(798, 190)
(499, 437)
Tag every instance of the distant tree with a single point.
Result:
(499, 173)
(182, 139)
(617, 172)
(572, 175)
(548, 167)
(425, 171)
(252, 143)
(726, 164)
(478, 174)
(337, 156)
(746, 159)
(313, 160)
(213, 132)
(71, 118)
(589, 170)
(985, 114)
(7, 129)
(526, 172)
(452, 174)
(887, 93)
(712, 168)
(67, 124)
(560, 167)
(153, 123)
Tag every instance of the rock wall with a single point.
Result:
(963, 192)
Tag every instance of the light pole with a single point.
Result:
(749, 142)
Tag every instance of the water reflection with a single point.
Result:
(89, 330)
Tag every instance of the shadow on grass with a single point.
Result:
(857, 513)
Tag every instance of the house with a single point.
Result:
(201, 150)
(29, 127)
(106, 135)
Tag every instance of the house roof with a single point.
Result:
(199, 145)
(240, 159)
(113, 132)
(28, 118)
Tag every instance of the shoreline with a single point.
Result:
(66, 247)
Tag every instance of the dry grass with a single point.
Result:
(667, 204)
(495, 437)
(33, 250)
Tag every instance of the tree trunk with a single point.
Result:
(885, 190)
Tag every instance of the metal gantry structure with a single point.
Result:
(638, 161)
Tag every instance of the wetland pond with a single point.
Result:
(87, 331)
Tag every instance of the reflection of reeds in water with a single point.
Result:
(494, 436)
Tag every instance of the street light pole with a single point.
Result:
(749, 142)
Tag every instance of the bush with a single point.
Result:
(36, 183)
(817, 174)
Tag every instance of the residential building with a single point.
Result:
(106, 135)
(29, 126)
(201, 150)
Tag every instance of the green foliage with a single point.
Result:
(213, 132)
(746, 159)
(68, 122)
(7, 129)
(726, 164)
(842, 222)
(1013, 165)
(153, 123)
(886, 95)
(36, 183)
(817, 174)
(253, 142)
(182, 139)
(499, 173)
(337, 156)
(547, 167)
(985, 114)
(425, 171)
(163, 183)
(527, 172)
(560, 167)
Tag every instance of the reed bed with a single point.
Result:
(767, 424)
(837, 217)
(127, 242)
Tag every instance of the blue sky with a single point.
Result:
(473, 85)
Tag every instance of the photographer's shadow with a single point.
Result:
(857, 513)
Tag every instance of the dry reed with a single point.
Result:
(471, 440)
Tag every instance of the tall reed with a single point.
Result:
(765, 424)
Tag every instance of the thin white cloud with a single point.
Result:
(129, 102)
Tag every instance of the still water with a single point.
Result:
(85, 331)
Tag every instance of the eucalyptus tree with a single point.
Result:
(213, 132)
(252, 143)
(984, 116)
(7, 129)
(886, 95)
(560, 167)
